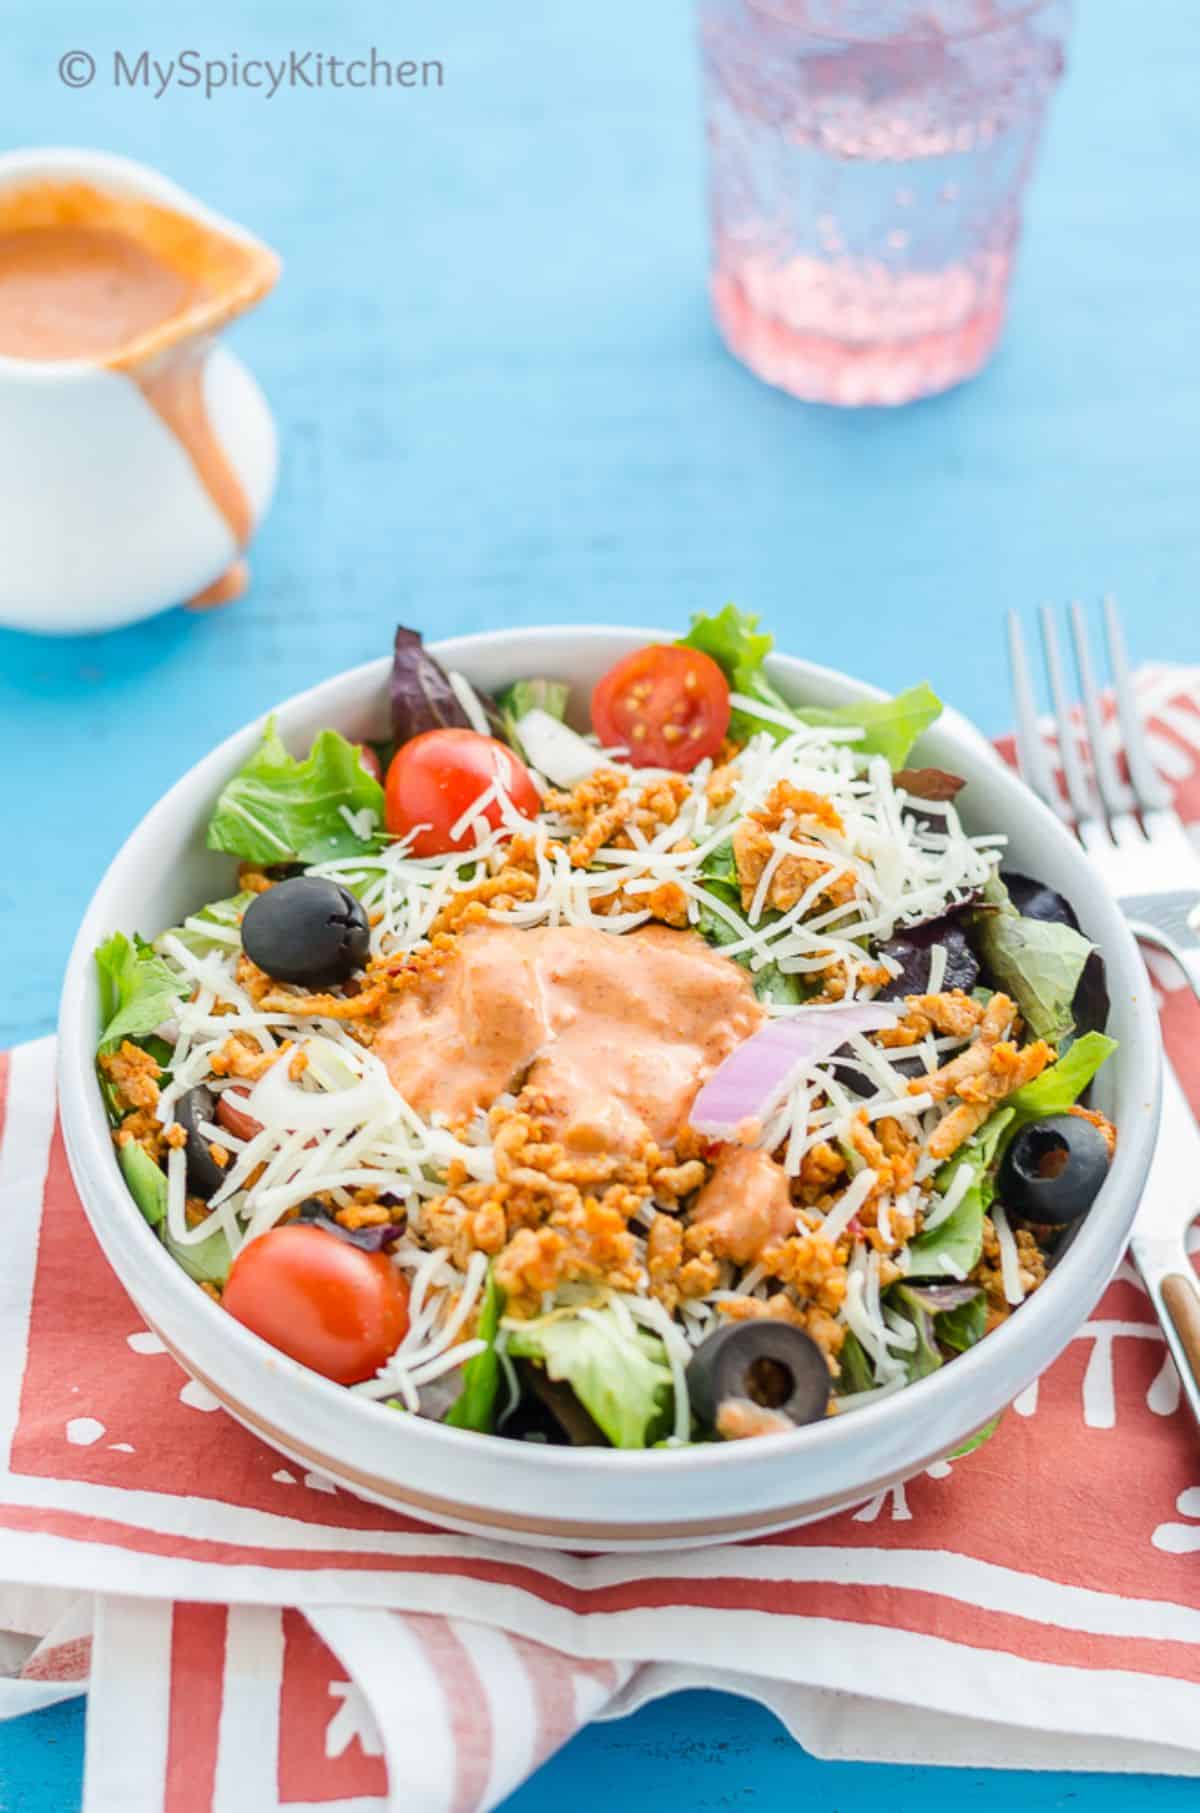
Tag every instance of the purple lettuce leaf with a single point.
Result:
(421, 694)
(368, 1240)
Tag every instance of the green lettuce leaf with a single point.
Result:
(734, 641)
(223, 916)
(770, 983)
(529, 695)
(623, 1381)
(721, 880)
(890, 726)
(475, 1406)
(961, 1328)
(147, 1183)
(924, 1358)
(855, 1371)
(208, 1260)
(959, 1239)
(279, 809)
(720, 865)
(977, 1440)
(1038, 962)
(1059, 1087)
(137, 990)
(937, 1328)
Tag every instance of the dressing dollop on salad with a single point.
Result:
(692, 1077)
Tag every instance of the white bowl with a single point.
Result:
(580, 1497)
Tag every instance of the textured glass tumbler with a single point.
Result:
(867, 161)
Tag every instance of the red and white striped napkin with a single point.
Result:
(276, 1643)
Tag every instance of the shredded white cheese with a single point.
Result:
(342, 1125)
(1010, 1264)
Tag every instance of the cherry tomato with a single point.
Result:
(433, 779)
(239, 1123)
(368, 759)
(668, 705)
(326, 1303)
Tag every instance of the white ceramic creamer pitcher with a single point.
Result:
(134, 469)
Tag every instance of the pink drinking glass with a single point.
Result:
(867, 162)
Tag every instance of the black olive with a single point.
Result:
(204, 1174)
(1053, 1169)
(307, 930)
(769, 1362)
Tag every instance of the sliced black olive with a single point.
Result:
(769, 1362)
(1053, 1169)
(308, 930)
(204, 1174)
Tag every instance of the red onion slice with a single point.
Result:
(756, 1076)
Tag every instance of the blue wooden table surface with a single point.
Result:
(501, 402)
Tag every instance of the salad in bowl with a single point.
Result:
(680, 1080)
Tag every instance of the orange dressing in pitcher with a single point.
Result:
(138, 288)
(76, 292)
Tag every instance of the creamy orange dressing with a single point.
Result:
(77, 292)
(746, 1204)
(138, 288)
(617, 1032)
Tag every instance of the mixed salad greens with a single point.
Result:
(828, 1131)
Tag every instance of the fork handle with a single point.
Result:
(1176, 1299)
(1181, 1301)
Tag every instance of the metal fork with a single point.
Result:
(1131, 831)
(1136, 840)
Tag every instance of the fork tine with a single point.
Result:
(1153, 795)
(1079, 791)
(1113, 791)
(1032, 759)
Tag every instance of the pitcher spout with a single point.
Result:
(94, 228)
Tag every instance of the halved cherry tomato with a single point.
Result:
(436, 777)
(326, 1303)
(239, 1123)
(668, 705)
(368, 759)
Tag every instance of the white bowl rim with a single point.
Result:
(76, 1055)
